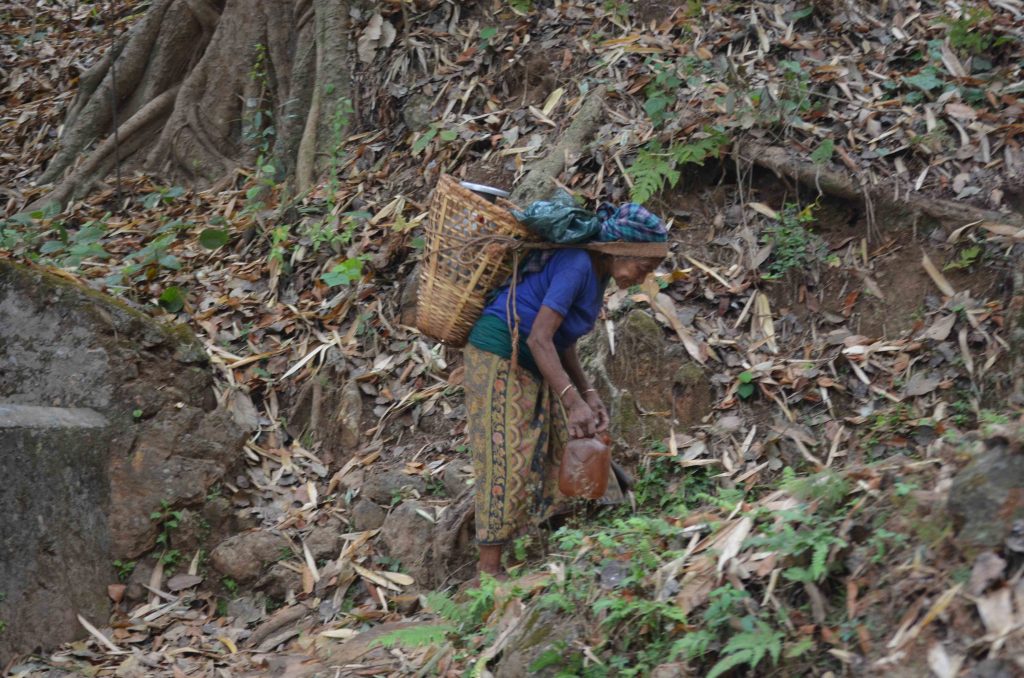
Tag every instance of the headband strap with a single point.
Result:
(644, 250)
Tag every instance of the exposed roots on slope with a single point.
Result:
(849, 186)
(195, 86)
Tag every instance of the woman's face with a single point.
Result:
(629, 271)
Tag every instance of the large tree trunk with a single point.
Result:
(199, 87)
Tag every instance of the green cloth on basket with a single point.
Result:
(492, 335)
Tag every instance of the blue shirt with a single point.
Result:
(567, 285)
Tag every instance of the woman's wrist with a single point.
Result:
(571, 397)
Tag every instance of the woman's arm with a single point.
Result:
(571, 363)
(582, 421)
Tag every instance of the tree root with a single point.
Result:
(1015, 321)
(90, 115)
(238, 67)
(83, 176)
(844, 185)
(537, 183)
(453, 535)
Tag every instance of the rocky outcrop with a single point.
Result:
(65, 345)
(54, 541)
(408, 537)
(987, 496)
(648, 383)
(243, 556)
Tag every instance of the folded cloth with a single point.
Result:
(558, 220)
(630, 223)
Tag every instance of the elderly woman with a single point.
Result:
(521, 412)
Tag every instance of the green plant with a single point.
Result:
(229, 584)
(75, 247)
(346, 272)
(655, 166)
(460, 619)
(124, 569)
(162, 196)
(435, 130)
(170, 558)
(882, 542)
(661, 91)
(965, 258)
(167, 520)
(520, 545)
(971, 34)
(801, 537)
(755, 640)
(793, 245)
(521, 6)
(794, 95)
(746, 387)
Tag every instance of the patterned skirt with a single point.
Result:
(517, 431)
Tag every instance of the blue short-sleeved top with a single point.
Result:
(567, 285)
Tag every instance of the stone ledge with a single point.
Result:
(37, 417)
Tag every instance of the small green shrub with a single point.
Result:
(793, 244)
(655, 166)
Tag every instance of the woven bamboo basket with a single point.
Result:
(455, 274)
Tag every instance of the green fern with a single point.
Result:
(655, 166)
(651, 169)
(445, 607)
(415, 636)
(749, 647)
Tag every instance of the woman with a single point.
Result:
(521, 412)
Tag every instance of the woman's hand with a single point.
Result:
(582, 422)
(593, 399)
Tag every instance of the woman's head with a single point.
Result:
(629, 271)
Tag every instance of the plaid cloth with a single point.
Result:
(630, 223)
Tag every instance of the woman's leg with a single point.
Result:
(504, 435)
(490, 560)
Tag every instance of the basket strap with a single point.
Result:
(468, 250)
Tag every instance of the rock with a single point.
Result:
(674, 670)
(457, 478)
(243, 556)
(54, 537)
(245, 611)
(67, 345)
(279, 582)
(366, 515)
(384, 488)
(541, 631)
(324, 541)
(408, 538)
(138, 579)
(987, 496)
(363, 648)
(408, 301)
(416, 113)
(646, 374)
(994, 668)
(329, 409)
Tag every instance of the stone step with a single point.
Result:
(54, 542)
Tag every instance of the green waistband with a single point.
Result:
(491, 334)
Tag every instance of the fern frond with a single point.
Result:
(731, 661)
(818, 558)
(415, 636)
(445, 607)
(649, 171)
